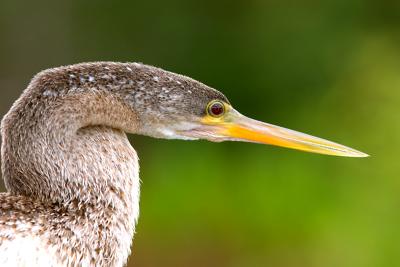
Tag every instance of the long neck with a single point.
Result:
(69, 148)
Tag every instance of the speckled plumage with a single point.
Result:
(71, 175)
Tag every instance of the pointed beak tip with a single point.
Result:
(352, 153)
(361, 155)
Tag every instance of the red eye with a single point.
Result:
(216, 109)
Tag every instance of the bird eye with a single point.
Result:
(216, 108)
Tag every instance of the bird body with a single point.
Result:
(72, 177)
(71, 174)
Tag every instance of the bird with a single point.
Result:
(72, 176)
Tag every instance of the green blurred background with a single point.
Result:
(328, 68)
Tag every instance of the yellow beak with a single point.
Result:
(236, 127)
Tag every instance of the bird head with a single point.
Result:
(178, 107)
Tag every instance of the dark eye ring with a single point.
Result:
(216, 108)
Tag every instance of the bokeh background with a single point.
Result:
(329, 68)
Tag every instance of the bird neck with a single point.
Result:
(71, 150)
(68, 148)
